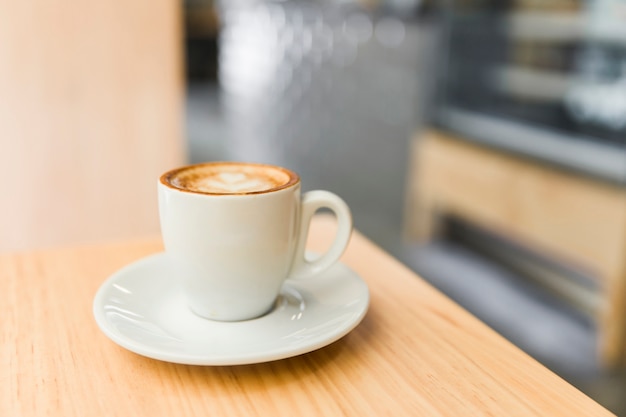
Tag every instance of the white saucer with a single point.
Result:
(142, 309)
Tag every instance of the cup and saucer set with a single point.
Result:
(234, 285)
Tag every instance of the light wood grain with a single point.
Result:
(91, 113)
(415, 353)
(567, 216)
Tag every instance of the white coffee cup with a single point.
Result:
(234, 232)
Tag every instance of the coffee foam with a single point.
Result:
(230, 178)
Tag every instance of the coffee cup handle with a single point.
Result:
(311, 202)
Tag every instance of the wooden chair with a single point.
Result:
(553, 211)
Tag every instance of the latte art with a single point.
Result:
(230, 178)
(232, 182)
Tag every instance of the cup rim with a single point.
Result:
(164, 180)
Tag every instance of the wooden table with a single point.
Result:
(416, 353)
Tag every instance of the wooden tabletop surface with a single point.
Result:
(416, 353)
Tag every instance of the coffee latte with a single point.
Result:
(230, 178)
(234, 232)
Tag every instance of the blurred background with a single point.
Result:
(483, 143)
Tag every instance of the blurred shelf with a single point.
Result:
(541, 26)
(566, 27)
(528, 83)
